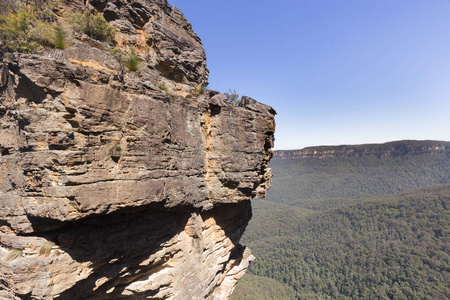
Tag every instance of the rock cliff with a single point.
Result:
(135, 187)
(398, 148)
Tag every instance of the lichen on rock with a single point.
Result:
(114, 189)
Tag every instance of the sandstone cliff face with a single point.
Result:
(113, 190)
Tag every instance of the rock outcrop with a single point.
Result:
(122, 189)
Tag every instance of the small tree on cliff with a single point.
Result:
(119, 57)
(232, 96)
(130, 61)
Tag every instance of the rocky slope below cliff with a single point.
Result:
(131, 188)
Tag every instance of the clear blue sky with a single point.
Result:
(336, 72)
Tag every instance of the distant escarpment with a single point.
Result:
(125, 184)
(391, 149)
(318, 175)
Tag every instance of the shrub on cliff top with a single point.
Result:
(26, 28)
(232, 96)
(15, 30)
(94, 25)
(7, 5)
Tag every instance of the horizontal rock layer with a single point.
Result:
(375, 150)
(74, 147)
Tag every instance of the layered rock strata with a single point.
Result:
(120, 189)
(390, 149)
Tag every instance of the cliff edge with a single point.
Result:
(125, 186)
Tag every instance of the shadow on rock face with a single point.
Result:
(164, 251)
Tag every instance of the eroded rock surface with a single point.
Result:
(112, 189)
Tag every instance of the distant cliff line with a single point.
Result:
(390, 149)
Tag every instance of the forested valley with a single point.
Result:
(352, 228)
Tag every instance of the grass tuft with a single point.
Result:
(12, 255)
(132, 61)
(201, 88)
(163, 87)
(46, 248)
(60, 39)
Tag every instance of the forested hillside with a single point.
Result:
(339, 228)
(256, 287)
(322, 183)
